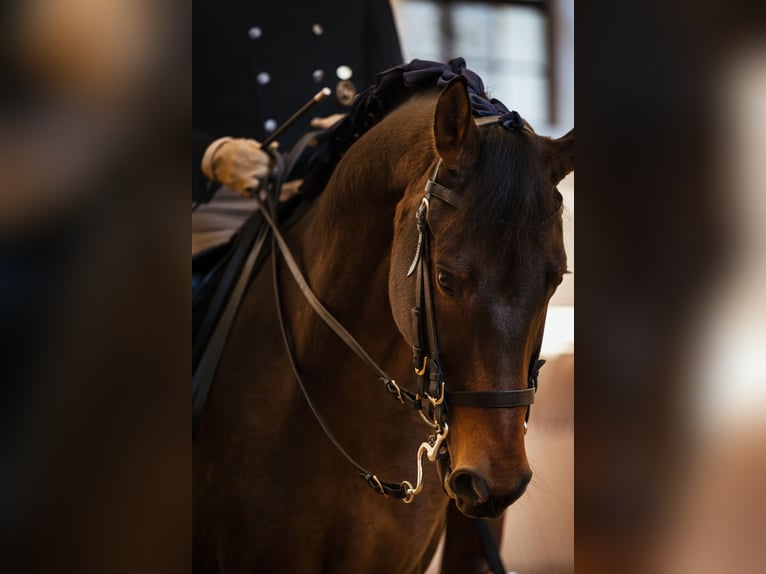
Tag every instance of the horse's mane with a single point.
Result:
(509, 164)
(389, 90)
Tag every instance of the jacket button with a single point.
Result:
(317, 29)
(263, 78)
(270, 125)
(344, 72)
(254, 33)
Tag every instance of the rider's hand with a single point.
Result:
(327, 121)
(237, 163)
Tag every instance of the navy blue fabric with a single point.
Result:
(424, 73)
(389, 89)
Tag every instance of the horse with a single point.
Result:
(435, 245)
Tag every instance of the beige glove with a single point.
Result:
(236, 163)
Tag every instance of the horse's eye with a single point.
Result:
(446, 280)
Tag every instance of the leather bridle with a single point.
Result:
(432, 395)
(425, 350)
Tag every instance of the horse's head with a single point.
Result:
(493, 264)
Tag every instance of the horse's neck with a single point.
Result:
(351, 228)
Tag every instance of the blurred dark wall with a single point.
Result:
(654, 238)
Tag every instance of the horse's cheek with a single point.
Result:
(401, 293)
(401, 306)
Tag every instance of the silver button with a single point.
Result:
(317, 29)
(344, 72)
(270, 125)
(318, 75)
(263, 78)
(254, 33)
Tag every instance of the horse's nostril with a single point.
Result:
(469, 486)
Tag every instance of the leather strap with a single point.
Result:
(328, 318)
(279, 246)
(444, 193)
(491, 399)
(243, 242)
(489, 546)
(202, 379)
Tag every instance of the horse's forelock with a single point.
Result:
(509, 200)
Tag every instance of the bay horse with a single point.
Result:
(433, 226)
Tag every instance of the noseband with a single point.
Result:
(432, 394)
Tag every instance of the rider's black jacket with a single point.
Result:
(256, 63)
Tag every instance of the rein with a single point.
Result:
(397, 490)
(425, 349)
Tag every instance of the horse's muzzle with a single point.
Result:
(475, 497)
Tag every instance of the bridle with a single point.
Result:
(425, 349)
(432, 395)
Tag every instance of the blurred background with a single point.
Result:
(671, 324)
(671, 321)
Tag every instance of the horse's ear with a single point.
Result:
(560, 156)
(455, 134)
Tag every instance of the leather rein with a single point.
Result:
(432, 395)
